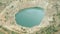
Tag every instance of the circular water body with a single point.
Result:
(29, 17)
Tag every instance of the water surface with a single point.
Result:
(29, 17)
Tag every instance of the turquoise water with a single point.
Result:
(29, 17)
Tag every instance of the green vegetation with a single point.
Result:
(0, 3)
(13, 32)
(48, 30)
(2, 32)
(0, 26)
